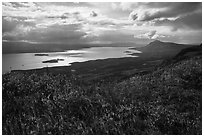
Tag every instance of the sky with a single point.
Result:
(101, 23)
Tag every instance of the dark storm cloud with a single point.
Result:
(192, 21)
(184, 6)
(166, 10)
(177, 15)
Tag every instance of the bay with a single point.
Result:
(24, 61)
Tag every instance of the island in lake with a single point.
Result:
(41, 54)
(52, 61)
(127, 51)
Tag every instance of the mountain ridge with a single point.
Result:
(159, 44)
(162, 49)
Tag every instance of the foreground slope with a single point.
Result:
(168, 100)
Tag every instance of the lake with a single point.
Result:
(24, 61)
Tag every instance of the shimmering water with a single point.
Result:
(23, 61)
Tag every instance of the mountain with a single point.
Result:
(162, 46)
(162, 49)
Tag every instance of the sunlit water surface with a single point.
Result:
(23, 61)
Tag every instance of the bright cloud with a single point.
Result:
(148, 35)
(73, 23)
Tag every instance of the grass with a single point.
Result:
(165, 101)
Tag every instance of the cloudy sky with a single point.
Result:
(74, 23)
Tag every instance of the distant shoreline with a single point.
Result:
(51, 51)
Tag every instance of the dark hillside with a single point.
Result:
(185, 53)
(189, 52)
